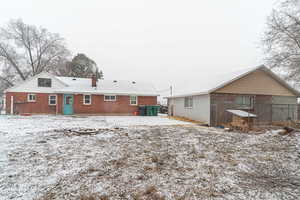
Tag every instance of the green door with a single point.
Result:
(68, 104)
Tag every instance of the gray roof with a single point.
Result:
(121, 87)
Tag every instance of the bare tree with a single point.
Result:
(26, 50)
(100, 74)
(281, 40)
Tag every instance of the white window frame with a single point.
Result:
(30, 100)
(84, 102)
(244, 99)
(189, 103)
(136, 100)
(43, 85)
(115, 99)
(49, 99)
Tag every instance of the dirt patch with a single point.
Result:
(86, 131)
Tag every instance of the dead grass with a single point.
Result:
(185, 119)
(93, 197)
(172, 162)
(150, 193)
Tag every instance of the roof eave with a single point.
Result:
(104, 93)
(187, 95)
(283, 82)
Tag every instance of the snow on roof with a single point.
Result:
(241, 113)
(84, 85)
(223, 80)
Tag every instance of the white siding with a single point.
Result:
(200, 110)
(31, 85)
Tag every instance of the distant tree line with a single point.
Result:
(27, 50)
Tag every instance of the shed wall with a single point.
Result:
(200, 110)
(268, 108)
(284, 100)
(258, 83)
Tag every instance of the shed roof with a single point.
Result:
(241, 113)
(231, 77)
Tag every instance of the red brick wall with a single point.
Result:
(121, 105)
(41, 106)
(98, 106)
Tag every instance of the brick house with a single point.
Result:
(49, 94)
(257, 90)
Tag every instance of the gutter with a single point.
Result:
(105, 93)
(187, 95)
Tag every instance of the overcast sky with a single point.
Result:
(183, 43)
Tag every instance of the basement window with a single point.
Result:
(133, 100)
(44, 82)
(188, 102)
(31, 98)
(110, 97)
(87, 99)
(52, 100)
(244, 102)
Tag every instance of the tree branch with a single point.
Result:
(8, 58)
(7, 81)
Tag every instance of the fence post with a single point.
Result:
(271, 112)
(289, 112)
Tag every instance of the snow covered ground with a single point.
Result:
(44, 157)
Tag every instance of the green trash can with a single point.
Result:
(152, 110)
(149, 111)
(155, 110)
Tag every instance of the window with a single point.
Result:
(110, 97)
(69, 100)
(133, 100)
(31, 97)
(244, 102)
(44, 82)
(87, 99)
(188, 102)
(52, 100)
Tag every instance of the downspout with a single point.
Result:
(56, 106)
(11, 105)
(4, 103)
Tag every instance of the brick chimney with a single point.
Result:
(94, 81)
